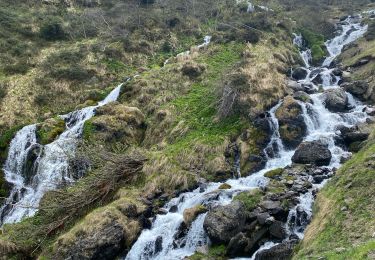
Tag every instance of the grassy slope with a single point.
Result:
(344, 215)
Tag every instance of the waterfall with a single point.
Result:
(162, 240)
(50, 167)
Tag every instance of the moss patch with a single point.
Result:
(316, 43)
(250, 198)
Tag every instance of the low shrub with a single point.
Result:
(52, 30)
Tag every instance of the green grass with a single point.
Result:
(345, 234)
(250, 198)
(88, 130)
(198, 108)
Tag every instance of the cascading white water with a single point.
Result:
(51, 164)
(321, 125)
(351, 31)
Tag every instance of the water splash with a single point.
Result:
(50, 165)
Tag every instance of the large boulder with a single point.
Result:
(336, 100)
(101, 235)
(357, 88)
(312, 153)
(224, 222)
(292, 126)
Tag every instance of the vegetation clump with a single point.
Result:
(316, 43)
(250, 198)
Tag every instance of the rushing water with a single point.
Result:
(162, 241)
(50, 165)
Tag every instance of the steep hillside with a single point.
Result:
(343, 226)
(195, 115)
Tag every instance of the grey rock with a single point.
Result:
(224, 222)
(312, 153)
(336, 100)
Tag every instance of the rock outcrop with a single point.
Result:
(224, 222)
(291, 122)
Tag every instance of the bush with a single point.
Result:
(52, 30)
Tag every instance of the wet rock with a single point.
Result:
(277, 230)
(224, 222)
(237, 245)
(352, 135)
(336, 100)
(299, 73)
(262, 218)
(357, 89)
(294, 85)
(225, 186)
(173, 209)
(158, 245)
(309, 88)
(192, 213)
(302, 96)
(179, 239)
(318, 80)
(283, 251)
(362, 62)
(292, 125)
(337, 72)
(312, 153)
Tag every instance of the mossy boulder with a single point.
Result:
(292, 126)
(116, 122)
(102, 234)
(250, 199)
(192, 213)
(50, 129)
(274, 173)
(225, 186)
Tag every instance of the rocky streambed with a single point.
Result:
(262, 216)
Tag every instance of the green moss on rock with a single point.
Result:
(250, 198)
